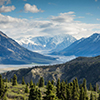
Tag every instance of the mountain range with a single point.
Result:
(81, 67)
(84, 47)
(12, 53)
(47, 43)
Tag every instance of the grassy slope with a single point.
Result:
(17, 92)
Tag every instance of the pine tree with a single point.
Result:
(69, 91)
(63, 90)
(75, 93)
(91, 97)
(90, 87)
(35, 93)
(81, 94)
(95, 97)
(52, 82)
(99, 97)
(27, 89)
(14, 80)
(23, 81)
(41, 82)
(84, 85)
(58, 89)
(49, 93)
(31, 83)
(2, 89)
(32, 95)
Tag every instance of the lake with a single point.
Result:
(60, 60)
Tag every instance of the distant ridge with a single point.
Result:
(81, 67)
(12, 53)
(84, 47)
(47, 43)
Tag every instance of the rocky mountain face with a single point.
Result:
(48, 43)
(84, 47)
(12, 53)
(81, 67)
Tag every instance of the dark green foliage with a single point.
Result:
(2, 89)
(91, 96)
(90, 87)
(41, 82)
(14, 80)
(84, 85)
(27, 89)
(23, 81)
(49, 93)
(95, 97)
(58, 89)
(35, 94)
(81, 94)
(97, 88)
(75, 91)
(99, 97)
(52, 82)
(63, 90)
(31, 83)
(69, 91)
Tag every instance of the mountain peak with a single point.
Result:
(95, 34)
(2, 34)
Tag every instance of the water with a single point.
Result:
(60, 60)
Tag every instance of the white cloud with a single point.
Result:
(63, 17)
(17, 28)
(24, 0)
(7, 9)
(96, 0)
(5, 2)
(33, 8)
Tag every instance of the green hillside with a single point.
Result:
(81, 67)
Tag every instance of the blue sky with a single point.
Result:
(24, 18)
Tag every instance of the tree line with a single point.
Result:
(62, 90)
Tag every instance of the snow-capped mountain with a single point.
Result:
(12, 53)
(50, 43)
(84, 47)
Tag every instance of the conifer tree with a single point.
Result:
(23, 81)
(31, 83)
(52, 82)
(2, 89)
(99, 97)
(77, 86)
(27, 89)
(81, 94)
(32, 95)
(91, 97)
(69, 91)
(63, 90)
(41, 82)
(49, 93)
(58, 89)
(90, 87)
(14, 80)
(75, 93)
(84, 85)
(95, 97)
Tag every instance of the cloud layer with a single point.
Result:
(7, 9)
(64, 23)
(5, 2)
(33, 8)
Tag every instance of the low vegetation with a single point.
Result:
(62, 90)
